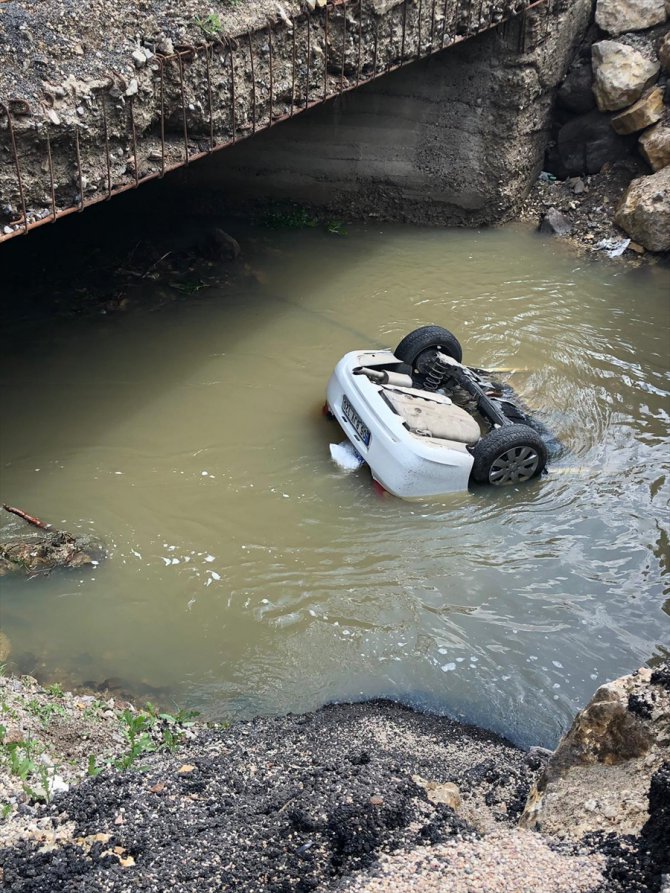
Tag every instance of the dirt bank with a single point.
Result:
(365, 797)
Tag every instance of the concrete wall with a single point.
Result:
(455, 139)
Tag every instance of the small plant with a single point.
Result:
(5, 810)
(45, 712)
(149, 730)
(188, 287)
(289, 217)
(137, 731)
(56, 690)
(209, 25)
(92, 769)
(336, 227)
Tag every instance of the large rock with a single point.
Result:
(655, 146)
(586, 143)
(617, 16)
(644, 212)
(643, 113)
(621, 74)
(599, 777)
(556, 223)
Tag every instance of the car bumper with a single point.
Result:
(405, 464)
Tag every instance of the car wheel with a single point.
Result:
(428, 338)
(509, 455)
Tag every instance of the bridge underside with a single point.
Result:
(89, 140)
(96, 138)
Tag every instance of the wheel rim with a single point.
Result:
(514, 466)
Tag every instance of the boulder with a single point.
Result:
(621, 74)
(586, 143)
(556, 223)
(576, 92)
(599, 777)
(643, 113)
(618, 16)
(655, 146)
(644, 212)
(664, 51)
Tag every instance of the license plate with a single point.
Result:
(358, 425)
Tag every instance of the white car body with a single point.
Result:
(408, 464)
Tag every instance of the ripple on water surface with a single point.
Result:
(246, 573)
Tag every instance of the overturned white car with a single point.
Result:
(428, 425)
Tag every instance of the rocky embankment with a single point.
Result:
(606, 183)
(364, 797)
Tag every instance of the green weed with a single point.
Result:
(188, 287)
(289, 217)
(209, 25)
(336, 227)
(45, 712)
(92, 768)
(56, 690)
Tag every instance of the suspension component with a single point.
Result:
(437, 372)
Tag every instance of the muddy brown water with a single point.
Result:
(247, 574)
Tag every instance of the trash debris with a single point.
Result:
(345, 456)
(613, 247)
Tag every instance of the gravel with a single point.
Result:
(504, 861)
(350, 798)
(49, 40)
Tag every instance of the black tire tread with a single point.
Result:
(426, 337)
(499, 441)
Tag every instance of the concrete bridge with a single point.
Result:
(88, 139)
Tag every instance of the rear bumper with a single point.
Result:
(405, 464)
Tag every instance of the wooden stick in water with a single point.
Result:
(29, 518)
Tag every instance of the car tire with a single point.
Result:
(512, 454)
(425, 338)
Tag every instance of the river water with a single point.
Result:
(247, 574)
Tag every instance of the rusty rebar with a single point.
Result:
(309, 59)
(134, 138)
(17, 165)
(161, 67)
(444, 23)
(51, 172)
(272, 89)
(344, 43)
(374, 49)
(233, 113)
(418, 40)
(208, 75)
(325, 54)
(105, 130)
(292, 65)
(79, 171)
(183, 103)
(253, 83)
(389, 61)
(522, 32)
(360, 42)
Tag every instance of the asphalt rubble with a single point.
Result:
(353, 797)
